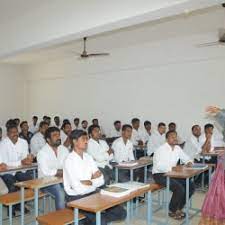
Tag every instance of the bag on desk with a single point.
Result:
(3, 188)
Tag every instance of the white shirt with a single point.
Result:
(155, 141)
(122, 152)
(137, 135)
(146, 136)
(165, 158)
(99, 152)
(115, 133)
(77, 169)
(63, 136)
(48, 162)
(193, 147)
(37, 142)
(12, 154)
(33, 129)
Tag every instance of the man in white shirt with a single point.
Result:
(38, 140)
(156, 139)
(137, 135)
(123, 152)
(165, 158)
(116, 132)
(50, 163)
(82, 177)
(84, 125)
(65, 132)
(147, 132)
(76, 122)
(14, 152)
(100, 152)
(173, 127)
(34, 126)
(96, 122)
(57, 122)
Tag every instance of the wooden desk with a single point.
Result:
(97, 203)
(182, 172)
(12, 169)
(141, 163)
(35, 185)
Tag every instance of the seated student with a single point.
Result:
(165, 158)
(100, 152)
(47, 119)
(123, 152)
(57, 122)
(147, 132)
(65, 132)
(14, 152)
(17, 121)
(137, 135)
(38, 140)
(116, 132)
(84, 125)
(156, 139)
(173, 127)
(81, 177)
(76, 122)
(34, 126)
(25, 133)
(96, 122)
(50, 163)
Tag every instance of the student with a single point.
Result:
(14, 152)
(57, 121)
(65, 132)
(148, 128)
(17, 121)
(173, 127)
(47, 119)
(137, 136)
(165, 158)
(123, 152)
(116, 132)
(50, 163)
(38, 140)
(156, 139)
(81, 177)
(25, 133)
(193, 146)
(84, 125)
(34, 126)
(76, 122)
(96, 122)
(100, 152)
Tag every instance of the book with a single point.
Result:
(198, 166)
(131, 185)
(128, 164)
(115, 191)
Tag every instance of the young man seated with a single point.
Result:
(100, 152)
(14, 152)
(65, 132)
(50, 163)
(123, 152)
(81, 178)
(165, 158)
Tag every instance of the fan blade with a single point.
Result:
(98, 54)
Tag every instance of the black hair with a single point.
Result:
(42, 123)
(84, 121)
(22, 123)
(11, 126)
(76, 134)
(147, 122)
(170, 132)
(35, 117)
(194, 126)
(76, 119)
(64, 124)
(95, 119)
(10, 122)
(208, 125)
(92, 127)
(172, 124)
(49, 131)
(56, 117)
(66, 121)
(135, 120)
(117, 121)
(126, 126)
(161, 124)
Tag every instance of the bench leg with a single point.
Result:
(98, 218)
(76, 216)
(149, 208)
(1, 212)
(167, 198)
(22, 205)
(36, 204)
(128, 213)
(10, 214)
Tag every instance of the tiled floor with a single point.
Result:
(159, 216)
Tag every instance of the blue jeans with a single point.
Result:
(58, 192)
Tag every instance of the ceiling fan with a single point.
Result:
(85, 54)
(220, 41)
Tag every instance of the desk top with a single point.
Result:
(182, 172)
(99, 202)
(141, 163)
(11, 169)
(40, 183)
(216, 152)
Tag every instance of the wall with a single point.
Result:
(12, 92)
